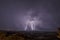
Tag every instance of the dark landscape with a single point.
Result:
(32, 35)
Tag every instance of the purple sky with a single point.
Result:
(12, 13)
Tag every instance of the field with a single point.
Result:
(24, 35)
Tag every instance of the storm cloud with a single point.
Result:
(14, 12)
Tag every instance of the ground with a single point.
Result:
(23, 35)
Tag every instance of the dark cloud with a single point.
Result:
(12, 11)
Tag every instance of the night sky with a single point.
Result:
(12, 13)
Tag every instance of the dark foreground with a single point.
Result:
(23, 35)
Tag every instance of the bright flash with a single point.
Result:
(31, 24)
